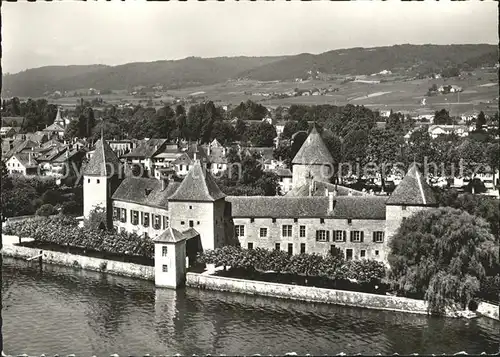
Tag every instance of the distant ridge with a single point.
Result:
(194, 71)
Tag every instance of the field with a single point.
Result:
(480, 92)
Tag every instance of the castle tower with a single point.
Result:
(59, 120)
(101, 177)
(199, 203)
(412, 195)
(313, 161)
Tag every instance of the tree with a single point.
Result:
(355, 147)
(442, 255)
(442, 117)
(97, 219)
(383, 149)
(480, 121)
(261, 134)
(223, 132)
(249, 110)
(45, 210)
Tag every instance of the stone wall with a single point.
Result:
(305, 293)
(488, 310)
(81, 262)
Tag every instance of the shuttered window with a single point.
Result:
(357, 236)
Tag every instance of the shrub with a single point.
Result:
(52, 197)
(45, 210)
(71, 207)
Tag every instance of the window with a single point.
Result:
(348, 254)
(146, 235)
(339, 236)
(377, 253)
(191, 224)
(164, 251)
(274, 220)
(378, 237)
(404, 219)
(363, 253)
(286, 230)
(98, 181)
(290, 248)
(190, 207)
(182, 223)
(322, 236)
(321, 220)
(349, 221)
(277, 246)
(165, 222)
(134, 217)
(164, 268)
(263, 232)
(123, 217)
(145, 221)
(240, 230)
(88, 181)
(252, 220)
(357, 236)
(250, 245)
(181, 167)
(198, 222)
(403, 208)
(302, 248)
(156, 221)
(333, 249)
(295, 220)
(116, 213)
(302, 231)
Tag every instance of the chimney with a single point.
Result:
(29, 158)
(326, 191)
(331, 196)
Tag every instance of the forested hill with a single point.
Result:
(417, 59)
(195, 71)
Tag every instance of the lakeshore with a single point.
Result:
(249, 287)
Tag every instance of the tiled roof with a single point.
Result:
(20, 146)
(54, 127)
(366, 207)
(68, 155)
(278, 207)
(147, 148)
(172, 235)
(134, 189)
(12, 120)
(283, 172)
(26, 159)
(198, 185)
(313, 151)
(103, 162)
(183, 159)
(413, 190)
(319, 190)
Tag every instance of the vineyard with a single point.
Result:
(63, 231)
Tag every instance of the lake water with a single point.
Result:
(64, 311)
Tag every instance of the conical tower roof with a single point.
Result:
(198, 185)
(104, 161)
(313, 151)
(413, 190)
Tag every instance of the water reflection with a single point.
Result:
(62, 310)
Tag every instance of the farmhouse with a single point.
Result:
(315, 216)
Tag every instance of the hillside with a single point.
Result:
(190, 71)
(414, 58)
(194, 71)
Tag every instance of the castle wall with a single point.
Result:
(139, 228)
(275, 235)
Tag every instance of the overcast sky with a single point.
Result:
(61, 33)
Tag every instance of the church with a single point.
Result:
(314, 217)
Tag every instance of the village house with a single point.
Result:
(436, 130)
(285, 179)
(22, 164)
(122, 147)
(8, 131)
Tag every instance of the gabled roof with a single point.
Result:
(366, 207)
(145, 191)
(217, 156)
(172, 235)
(215, 144)
(147, 149)
(313, 151)
(198, 185)
(26, 159)
(413, 190)
(283, 172)
(18, 121)
(54, 127)
(103, 162)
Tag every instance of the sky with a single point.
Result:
(68, 33)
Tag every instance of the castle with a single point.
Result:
(314, 217)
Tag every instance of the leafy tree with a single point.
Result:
(223, 132)
(289, 129)
(441, 255)
(261, 134)
(383, 149)
(97, 219)
(442, 117)
(45, 210)
(284, 153)
(249, 110)
(52, 197)
(480, 121)
(240, 129)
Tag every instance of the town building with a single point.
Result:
(436, 130)
(22, 164)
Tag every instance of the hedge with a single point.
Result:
(330, 266)
(63, 230)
